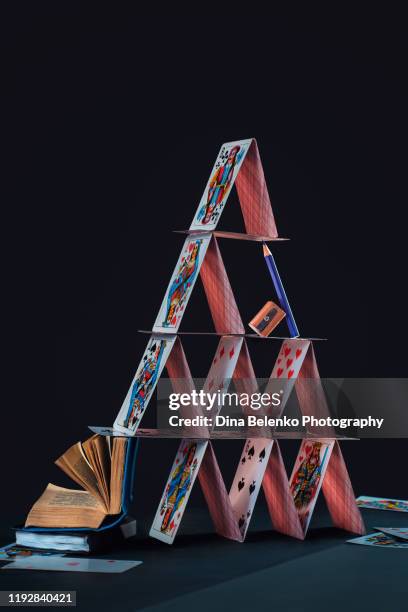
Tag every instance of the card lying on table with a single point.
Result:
(72, 564)
(11, 551)
(396, 532)
(379, 539)
(382, 503)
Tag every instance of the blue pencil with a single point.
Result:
(280, 291)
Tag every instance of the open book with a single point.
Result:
(97, 465)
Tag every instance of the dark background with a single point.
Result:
(112, 121)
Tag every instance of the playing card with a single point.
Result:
(222, 368)
(177, 490)
(108, 431)
(396, 532)
(181, 283)
(381, 503)
(11, 551)
(286, 369)
(307, 476)
(218, 188)
(248, 480)
(72, 564)
(379, 539)
(144, 383)
(290, 359)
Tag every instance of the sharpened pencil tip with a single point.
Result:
(266, 250)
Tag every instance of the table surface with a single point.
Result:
(202, 571)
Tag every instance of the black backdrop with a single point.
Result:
(113, 121)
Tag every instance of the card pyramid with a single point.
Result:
(319, 464)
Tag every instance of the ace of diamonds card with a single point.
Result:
(218, 188)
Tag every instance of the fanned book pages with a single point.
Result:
(97, 465)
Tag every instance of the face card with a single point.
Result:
(11, 552)
(222, 368)
(218, 188)
(144, 383)
(182, 282)
(379, 539)
(248, 480)
(177, 490)
(72, 564)
(381, 503)
(307, 477)
(401, 533)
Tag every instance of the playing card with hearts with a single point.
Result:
(248, 480)
(307, 476)
(144, 383)
(218, 188)
(181, 283)
(71, 564)
(177, 490)
(290, 358)
(222, 368)
(285, 372)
